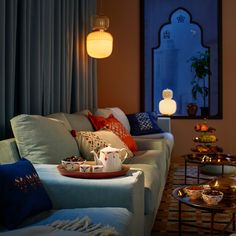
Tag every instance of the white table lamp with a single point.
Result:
(167, 106)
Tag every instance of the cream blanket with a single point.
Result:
(79, 227)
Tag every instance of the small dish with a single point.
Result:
(72, 163)
(194, 191)
(212, 197)
(97, 168)
(84, 168)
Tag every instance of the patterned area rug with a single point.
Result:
(166, 223)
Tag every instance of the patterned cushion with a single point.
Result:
(116, 112)
(22, 193)
(144, 123)
(88, 141)
(114, 125)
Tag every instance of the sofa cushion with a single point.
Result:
(155, 158)
(143, 123)
(168, 137)
(117, 113)
(89, 141)
(22, 193)
(43, 140)
(79, 122)
(114, 125)
(61, 116)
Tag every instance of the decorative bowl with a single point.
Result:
(194, 191)
(212, 197)
(72, 163)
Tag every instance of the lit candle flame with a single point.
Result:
(216, 183)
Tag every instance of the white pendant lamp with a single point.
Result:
(99, 43)
(167, 106)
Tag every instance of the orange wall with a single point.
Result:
(119, 74)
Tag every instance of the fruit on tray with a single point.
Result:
(206, 149)
(203, 127)
(200, 148)
(206, 139)
(74, 159)
(211, 138)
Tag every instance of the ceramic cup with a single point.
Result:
(85, 168)
(97, 168)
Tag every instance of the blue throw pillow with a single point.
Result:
(22, 193)
(144, 123)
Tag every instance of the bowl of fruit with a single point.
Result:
(212, 197)
(72, 163)
(194, 191)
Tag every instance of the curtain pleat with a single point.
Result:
(44, 67)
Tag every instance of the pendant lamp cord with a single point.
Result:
(99, 7)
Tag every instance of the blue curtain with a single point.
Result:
(44, 66)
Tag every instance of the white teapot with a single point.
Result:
(109, 157)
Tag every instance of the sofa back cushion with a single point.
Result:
(89, 141)
(144, 123)
(79, 122)
(116, 126)
(43, 140)
(62, 117)
(116, 112)
(22, 193)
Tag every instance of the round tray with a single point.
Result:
(211, 158)
(92, 175)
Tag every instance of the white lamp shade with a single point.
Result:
(167, 106)
(99, 44)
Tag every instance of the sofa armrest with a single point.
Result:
(164, 123)
(9, 151)
(125, 191)
(150, 144)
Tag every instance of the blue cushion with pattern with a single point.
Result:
(22, 193)
(144, 123)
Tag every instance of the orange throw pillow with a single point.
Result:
(116, 127)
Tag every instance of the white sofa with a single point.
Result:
(140, 192)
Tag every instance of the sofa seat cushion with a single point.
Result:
(155, 158)
(125, 191)
(43, 140)
(169, 138)
(119, 218)
(88, 193)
